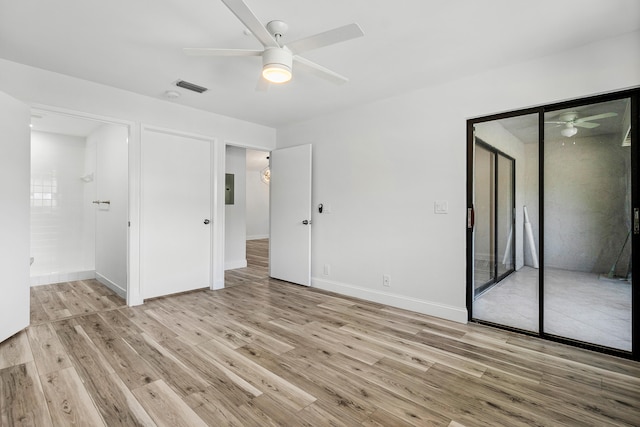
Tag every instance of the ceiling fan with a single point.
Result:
(278, 59)
(571, 122)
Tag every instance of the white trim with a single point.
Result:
(44, 109)
(232, 265)
(218, 169)
(429, 308)
(111, 285)
(134, 291)
(174, 132)
(258, 237)
(57, 277)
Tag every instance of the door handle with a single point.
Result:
(206, 221)
(306, 222)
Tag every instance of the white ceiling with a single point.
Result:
(408, 44)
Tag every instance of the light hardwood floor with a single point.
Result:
(264, 352)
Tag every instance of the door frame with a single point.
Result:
(634, 96)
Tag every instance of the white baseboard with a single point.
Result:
(111, 285)
(51, 278)
(231, 265)
(258, 237)
(429, 308)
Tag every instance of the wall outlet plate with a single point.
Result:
(441, 206)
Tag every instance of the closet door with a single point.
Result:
(176, 213)
(504, 244)
(576, 222)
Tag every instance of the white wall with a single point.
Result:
(382, 166)
(586, 206)
(235, 237)
(257, 207)
(111, 177)
(55, 91)
(61, 239)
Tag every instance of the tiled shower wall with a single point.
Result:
(62, 229)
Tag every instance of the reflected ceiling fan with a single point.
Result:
(278, 59)
(572, 122)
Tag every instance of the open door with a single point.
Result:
(290, 217)
(14, 215)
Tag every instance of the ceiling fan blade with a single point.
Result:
(557, 123)
(596, 117)
(319, 70)
(205, 51)
(253, 24)
(587, 125)
(326, 38)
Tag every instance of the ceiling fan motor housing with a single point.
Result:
(276, 55)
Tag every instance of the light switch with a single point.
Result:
(441, 207)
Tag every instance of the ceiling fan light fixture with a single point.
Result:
(276, 73)
(569, 131)
(277, 64)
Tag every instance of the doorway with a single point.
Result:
(79, 200)
(576, 208)
(246, 215)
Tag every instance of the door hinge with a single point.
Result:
(470, 218)
(636, 221)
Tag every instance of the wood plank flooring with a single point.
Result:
(266, 353)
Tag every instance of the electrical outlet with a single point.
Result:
(327, 270)
(386, 280)
(441, 206)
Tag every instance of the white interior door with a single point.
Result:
(15, 167)
(176, 213)
(290, 217)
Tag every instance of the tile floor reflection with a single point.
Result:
(578, 305)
